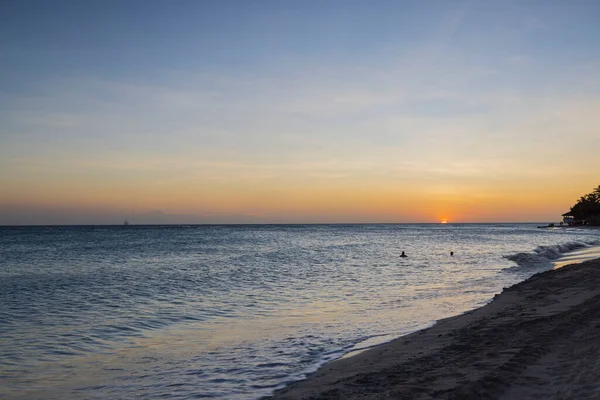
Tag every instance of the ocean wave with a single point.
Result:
(544, 255)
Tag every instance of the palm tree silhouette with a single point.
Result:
(587, 208)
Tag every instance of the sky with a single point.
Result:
(297, 111)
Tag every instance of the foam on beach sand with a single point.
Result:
(537, 339)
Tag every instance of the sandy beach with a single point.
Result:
(537, 339)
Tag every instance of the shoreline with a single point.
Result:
(537, 338)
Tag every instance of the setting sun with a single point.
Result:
(444, 221)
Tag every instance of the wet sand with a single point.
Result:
(537, 339)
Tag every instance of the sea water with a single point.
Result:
(234, 312)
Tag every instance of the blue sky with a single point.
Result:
(226, 105)
(46, 40)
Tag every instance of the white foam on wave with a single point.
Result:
(349, 350)
(546, 255)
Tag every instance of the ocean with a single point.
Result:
(234, 312)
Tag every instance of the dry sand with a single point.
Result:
(539, 339)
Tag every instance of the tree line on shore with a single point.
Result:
(587, 209)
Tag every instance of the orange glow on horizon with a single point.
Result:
(290, 200)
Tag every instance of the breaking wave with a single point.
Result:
(544, 255)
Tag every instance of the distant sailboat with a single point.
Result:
(126, 222)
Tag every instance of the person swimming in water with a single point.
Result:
(403, 255)
(452, 253)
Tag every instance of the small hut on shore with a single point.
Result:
(568, 218)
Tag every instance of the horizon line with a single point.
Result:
(271, 223)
